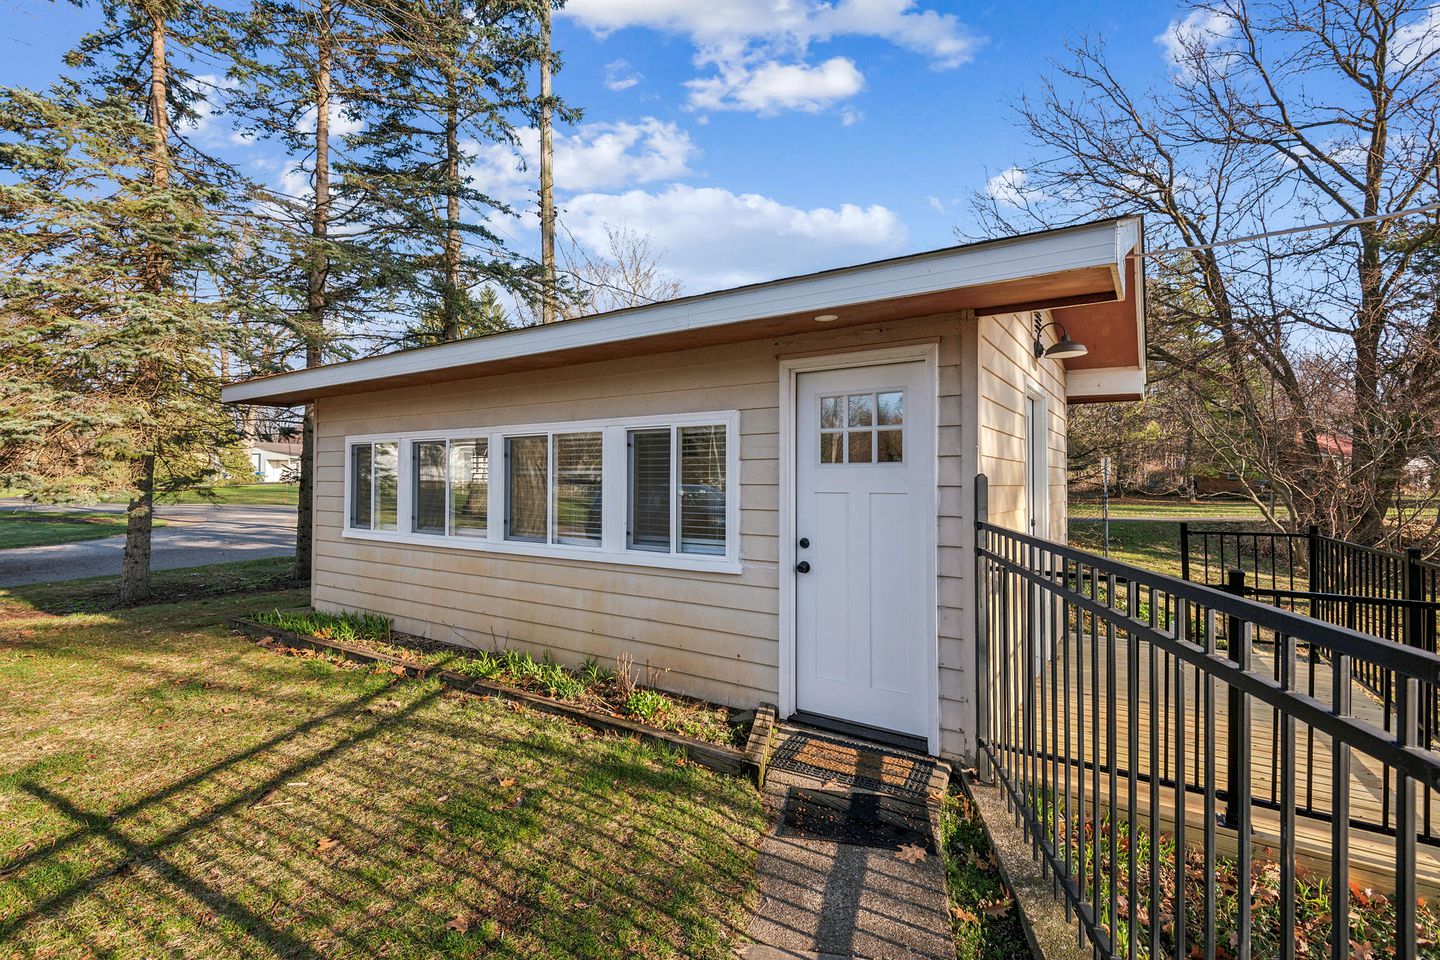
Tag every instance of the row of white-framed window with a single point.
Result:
(636, 488)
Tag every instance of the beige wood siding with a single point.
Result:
(997, 370)
(712, 635)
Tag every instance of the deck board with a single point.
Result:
(1076, 685)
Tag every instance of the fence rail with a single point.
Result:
(1140, 724)
(1393, 596)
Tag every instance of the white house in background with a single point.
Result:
(765, 492)
(272, 462)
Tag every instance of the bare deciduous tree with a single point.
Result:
(1319, 354)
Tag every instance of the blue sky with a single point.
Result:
(754, 138)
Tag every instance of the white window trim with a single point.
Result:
(614, 502)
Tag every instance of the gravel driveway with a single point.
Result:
(193, 535)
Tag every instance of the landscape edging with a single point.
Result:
(710, 755)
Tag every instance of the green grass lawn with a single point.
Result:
(1145, 508)
(170, 789)
(31, 528)
(246, 494)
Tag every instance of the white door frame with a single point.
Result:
(1037, 461)
(927, 352)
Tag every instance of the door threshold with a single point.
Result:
(860, 731)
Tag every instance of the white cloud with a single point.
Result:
(592, 156)
(766, 42)
(1417, 41)
(936, 204)
(712, 238)
(1008, 187)
(724, 23)
(619, 75)
(770, 88)
(341, 124)
(1202, 31)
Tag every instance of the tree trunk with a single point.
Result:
(450, 328)
(547, 173)
(316, 281)
(139, 517)
(140, 514)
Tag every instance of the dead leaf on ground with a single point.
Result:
(507, 782)
(442, 798)
(460, 924)
(910, 853)
(325, 844)
(995, 908)
(963, 915)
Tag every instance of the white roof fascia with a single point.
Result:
(1074, 248)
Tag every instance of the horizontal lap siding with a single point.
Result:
(1003, 366)
(712, 635)
(706, 634)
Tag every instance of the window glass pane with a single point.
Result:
(860, 447)
(360, 455)
(862, 412)
(831, 412)
(832, 447)
(890, 408)
(702, 490)
(650, 490)
(427, 468)
(387, 487)
(890, 446)
(526, 474)
(577, 488)
(469, 487)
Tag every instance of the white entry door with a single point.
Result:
(864, 521)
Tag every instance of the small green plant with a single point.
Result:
(479, 666)
(344, 627)
(592, 673)
(647, 704)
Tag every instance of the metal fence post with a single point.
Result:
(1184, 550)
(1234, 583)
(1312, 561)
(1415, 592)
(982, 629)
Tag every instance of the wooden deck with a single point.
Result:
(1076, 687)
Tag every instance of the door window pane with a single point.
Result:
(387, 485)
(650, 490)
(832, 447)
(860, 451)
(577, 488)
(831, 412)
(526, 475)
(469, 487)
(427, 466)
(360, 492)
(890, 408)
(862, 411)
(889, 446)
(702, 490)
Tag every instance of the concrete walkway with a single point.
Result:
(820, 898)
(194, 534)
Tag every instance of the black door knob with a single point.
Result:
(803, 566)
(804, 542)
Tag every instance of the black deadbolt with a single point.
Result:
(804, 542)
(803, 566)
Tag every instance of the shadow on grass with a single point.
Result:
(101, 594)
(397, 822)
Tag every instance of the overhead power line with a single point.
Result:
(1331, 225)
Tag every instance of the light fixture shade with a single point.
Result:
(1066, 348)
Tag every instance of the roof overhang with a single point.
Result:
(1083, 273)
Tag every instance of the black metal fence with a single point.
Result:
(1166, 746)
(1393, 596)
